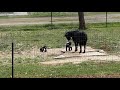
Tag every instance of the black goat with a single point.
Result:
(78, 37)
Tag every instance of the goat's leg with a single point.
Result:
(45, 49)
(66, 48)
(84, 48)
(76, 47)
(71, 48)
(80, 49)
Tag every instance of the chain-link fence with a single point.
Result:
(58, 18)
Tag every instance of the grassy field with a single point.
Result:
(5, 71)
(56, 14)
(68, 70)
(42, 14)
(39, 35)
(26, 37)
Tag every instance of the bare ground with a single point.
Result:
(74, 57)
(58, 57)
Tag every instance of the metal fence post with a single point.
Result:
(51, 20)
(106, 19)
(12, 60)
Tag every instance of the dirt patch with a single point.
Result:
(75, 57)
(58, 57)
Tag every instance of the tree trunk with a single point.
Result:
(81, 21)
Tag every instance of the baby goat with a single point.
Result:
(43, 49)
(68, 45)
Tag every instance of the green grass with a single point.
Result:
(42, 14)
(104, 38)
(56, 14)
(26, 37)
(99, 13)
(67, 70)
(5, 71)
